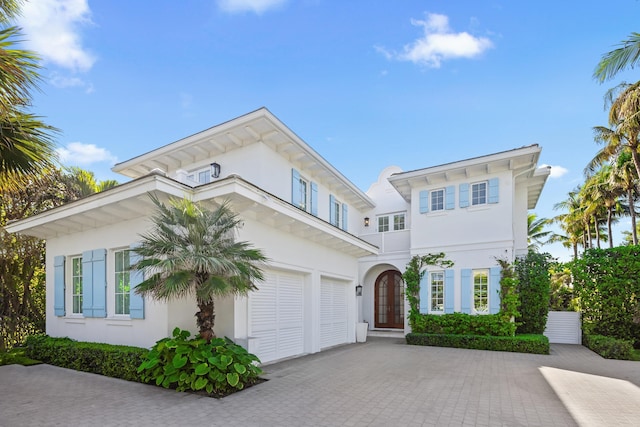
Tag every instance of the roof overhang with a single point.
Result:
(255, 127)
(131, 200)
(520, 161)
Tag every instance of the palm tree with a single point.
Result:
(191, 250)
(84, 182)
(627, 55)
(626, 176)
(536, 234)
(602, 194)
(26, 144)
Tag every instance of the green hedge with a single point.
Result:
(463, 324)
(608, 347)
(116, 361)
(536, 344)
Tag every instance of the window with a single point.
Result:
(391, 222)
(304, 194)
(123, 282)
(478, 193)
(481, 291)
(202, 176)
(76, 285)
(437, 291)
(383, 223)
(437, 200)
(336, 211)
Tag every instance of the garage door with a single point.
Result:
(276, 313)
(333, 312)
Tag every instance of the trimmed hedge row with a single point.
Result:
(117, 361)
(535, 344)
(609, 347)
(463, 324)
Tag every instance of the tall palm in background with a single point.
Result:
(536, 234)
(571, 222)
(26, 144)
(627, 55)
(626, 177)
(191, 250)
(84, 182)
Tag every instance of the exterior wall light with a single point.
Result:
(215, 170)
(366, 221)
(359, 290)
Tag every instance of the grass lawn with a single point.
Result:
(16, 356)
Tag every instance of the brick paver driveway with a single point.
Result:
(382, 382)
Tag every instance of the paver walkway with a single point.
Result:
(382, 382)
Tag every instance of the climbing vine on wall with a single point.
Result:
(413, 275)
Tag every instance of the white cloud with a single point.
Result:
(77, 153)
(51, 28)
(439, 43)
(556, 171)
(65, 82)
(257, 6)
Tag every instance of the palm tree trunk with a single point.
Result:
(632, 212)
(205, 319)
(609, 213)
(597, 227)
(575, 251)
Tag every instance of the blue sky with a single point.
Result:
(365, 83)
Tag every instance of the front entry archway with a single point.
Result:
(389, 300)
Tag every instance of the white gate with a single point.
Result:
(564, 327)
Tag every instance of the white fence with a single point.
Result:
(564, 327)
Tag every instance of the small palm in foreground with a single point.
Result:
(193, 251)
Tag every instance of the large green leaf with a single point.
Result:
(233, 379)
(241, 369)
(202, 369)
(200, 383)
(179, 361)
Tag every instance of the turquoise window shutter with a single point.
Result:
(448, 291)
(136, 301)
(332, 209)
(424, 201)
(450, 197)
(464, 195)
(494, 190)
(100, 283)
(314, 199)
(295, 188)
(465, 290)
(345, 217)
(87, 283)
(494, 290)
(58, 285)
(424, 293)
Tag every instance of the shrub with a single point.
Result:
(534, 286)
(536, 344)
(606, 280)
(463, 324)
(116, 361)
(608, 347)
(218, 368)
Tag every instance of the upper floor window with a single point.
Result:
(481, 291)
(76, 285)
(336, 212)
(391, 222)
(123, 282)
(303, 187)
(202, 176)
(437, 200)
(304, 193)
(478, 193)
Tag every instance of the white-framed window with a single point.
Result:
(479, 193)
(201, 176)
(76, 285)
(336, 212)
(436, 291)
(122, 282)
(391, 222)
(481, 291)
(305, 194)
(437, 200)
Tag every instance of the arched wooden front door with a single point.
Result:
(389, 294)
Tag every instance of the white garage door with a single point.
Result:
(333, 313)
(277, 316)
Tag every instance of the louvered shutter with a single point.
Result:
(450, 192)
(58, 286)
(494, 290)
(464, 195)
(136, 301)
(424, 201)
(465, 290)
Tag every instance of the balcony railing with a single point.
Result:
(390, 241)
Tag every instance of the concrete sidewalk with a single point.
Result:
(382, 382)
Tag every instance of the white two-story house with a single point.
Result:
(325, 238)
